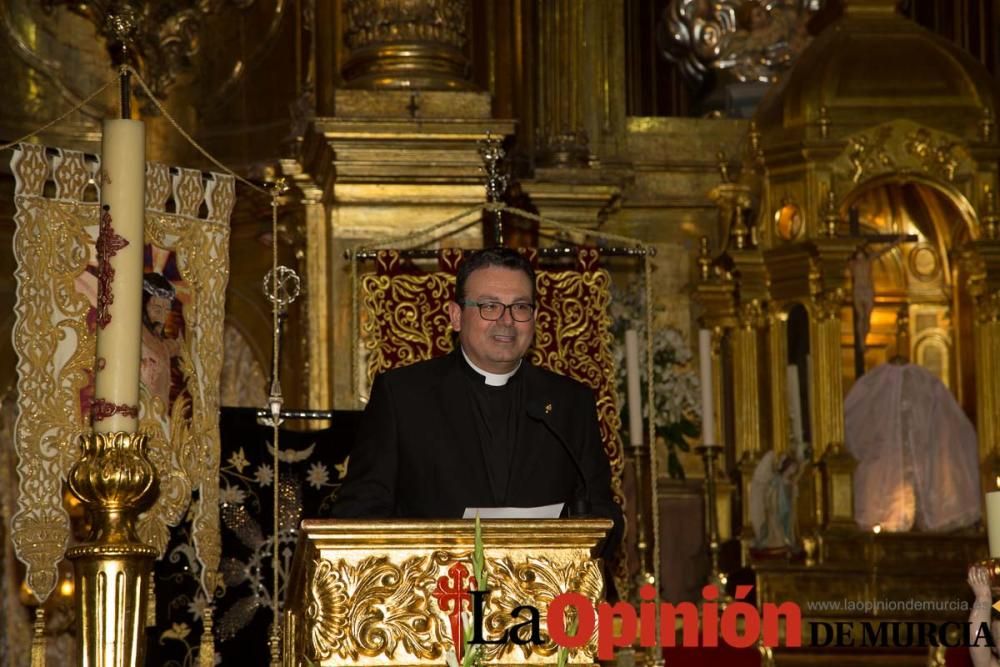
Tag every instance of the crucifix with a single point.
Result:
(863, 293)
(414, 106)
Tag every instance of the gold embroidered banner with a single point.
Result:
(186, 267)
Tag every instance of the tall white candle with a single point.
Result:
(635, 428)
(993, 522)
(809, 395)
(707, 406)
(794, 404)
(119, 269)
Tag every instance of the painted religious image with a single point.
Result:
(166, 393)
(163, 381)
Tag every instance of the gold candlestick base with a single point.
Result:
(115, 482)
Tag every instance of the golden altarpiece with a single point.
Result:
(837, 153)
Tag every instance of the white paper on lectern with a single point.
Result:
(541, 512)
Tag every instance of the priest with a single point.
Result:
(480, 427)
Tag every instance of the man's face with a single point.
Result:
(495, 347)
(157, 309)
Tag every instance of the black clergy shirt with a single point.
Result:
(497, 411)
(432, 442)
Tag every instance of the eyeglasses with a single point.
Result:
(494, 310)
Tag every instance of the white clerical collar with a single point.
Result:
(492, 379)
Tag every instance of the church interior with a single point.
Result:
(789, 207)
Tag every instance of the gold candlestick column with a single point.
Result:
(115, 481)
(716, 576)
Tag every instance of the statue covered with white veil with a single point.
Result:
(918, 464)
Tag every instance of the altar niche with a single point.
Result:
(907, 232)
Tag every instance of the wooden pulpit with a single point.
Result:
(385, 592)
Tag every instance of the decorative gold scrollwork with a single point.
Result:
(867, 154)
(380, 609)
(536, 581)
(828, 304)
(376, 608)
(752, 315)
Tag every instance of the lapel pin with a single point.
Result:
(548, 408)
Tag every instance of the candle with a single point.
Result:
(993, 522)
(119, 270)
(809, 396)
(707, 408)
(635, 429)
(794, 405)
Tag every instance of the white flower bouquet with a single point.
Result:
(676, 389)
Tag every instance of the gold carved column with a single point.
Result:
(986, 340)
(316, 260)
(578, 111)
(827, 410)
(836, 464)
(746, 379)
(746, 403)
(416, 45)
(980, 264)
(581, 62)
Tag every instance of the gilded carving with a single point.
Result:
(868, 154)
(415, 45)
(815, 276)
(326, 611)
(988, 308)
(828, 305)
(974, 269)
(732, 199)
(539, 581)
(379, 21)
(752, 315)
(382, 609)
(936, 155)
(903, 145)
(376, 607)
(165, 35)
(114, 472)
(114, 480)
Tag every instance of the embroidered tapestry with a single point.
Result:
(186, 269)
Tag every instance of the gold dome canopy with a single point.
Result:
(873, 65)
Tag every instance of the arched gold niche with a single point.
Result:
(920, 279)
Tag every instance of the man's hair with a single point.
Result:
(503, 257)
